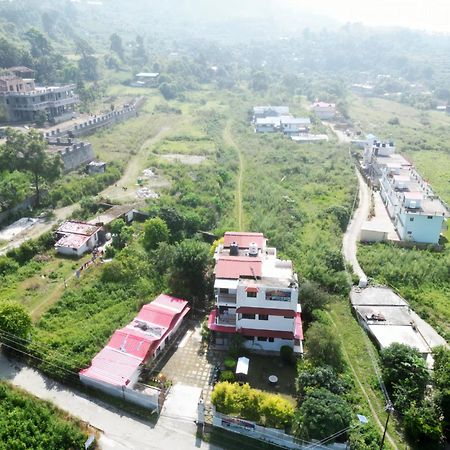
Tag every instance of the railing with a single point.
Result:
(226, 319)
(226, 298)
(46, 104)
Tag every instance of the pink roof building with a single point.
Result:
(243, 240)
(129, 348)
(75, 237)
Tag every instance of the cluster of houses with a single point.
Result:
(275, 119)
(256, 296)
(23, 101)
(416, 212)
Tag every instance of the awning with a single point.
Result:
(298, 333)
(251, 289)
(222, 283)
(266, 311)
(267, 333)
(242, 365)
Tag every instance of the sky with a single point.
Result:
(430, 15)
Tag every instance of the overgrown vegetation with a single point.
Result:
(29, 423)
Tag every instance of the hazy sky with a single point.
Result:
(420, 14)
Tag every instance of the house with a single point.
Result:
(269, 111)
(256, 295)
(308, 138)
(95, 167)
(417, 213)
(146, 79)
(324, 110)
(294, 125)
(23, 101)
(267, 125)
(117, 367)
(75, 237)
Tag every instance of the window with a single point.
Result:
(251, 294)
(288, 317)
(271, 339)
(224, 291)
(262, 339)
(411, 219)
(249, 338)
(409, 232)
(263, 317)
(248, 316)
(429, 217)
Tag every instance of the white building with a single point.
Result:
(324, 110)
(286, 124)
(75, 238)
(269, 111)
(256, 295)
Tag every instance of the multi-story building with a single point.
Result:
(256, 295)
(324, 110)
(23, 101)
(286, 124)
(417, 213)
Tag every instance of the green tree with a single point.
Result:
(441, 379)
(364, 437)
(155, 231)
(26, 152)
(116, 45)
(423, 424)
(14, 188)
(14, 320)
(121, 233)
(312, 297)
(321, 414)
(188, 275)
(405, 374)
(319, 377)
(323, 348)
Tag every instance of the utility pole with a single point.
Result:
(389, 409)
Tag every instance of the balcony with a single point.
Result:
(224, 323)
(226, 320)
(226, 298)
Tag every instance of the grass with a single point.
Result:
(38, 285)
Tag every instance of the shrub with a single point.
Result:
(319, 377)
(251, 404)
(230, 363)
(364, 437)
(422, 424)
(7, 265)
(227, 375)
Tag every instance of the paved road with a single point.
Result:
(119, 430)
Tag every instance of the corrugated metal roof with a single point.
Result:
(244, 239)
(233, 267)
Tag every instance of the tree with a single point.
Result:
(321, 414)
(441, 378)
(155, 231)
(364, 437)
(323, 348)
(26, 152)
(312, 297)
(116, 45)
(121, 233)
(168, 91)
(405, 374)
(14, 320)
(188, 275)
(423, 424)
(316, 378)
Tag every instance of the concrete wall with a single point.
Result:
(422, 228)
(267, 346)
(76, 155)
(277, 323)
(148, 398)
(260, 300)
(277, 437)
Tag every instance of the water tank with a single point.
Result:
(234, 249)
(253, 249)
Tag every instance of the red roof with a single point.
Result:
(132, 343)
(244, 239)
(238, 266)
(267, 311)
(131, 346)
(214, 327)
(113, 367)
(267, 333)
(298, 333)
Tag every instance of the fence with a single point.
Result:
(277, 437)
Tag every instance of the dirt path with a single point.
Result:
(124, 189)
(374, 412)
(228, 138)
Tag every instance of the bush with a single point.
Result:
(227, 375)
(422, 424)
(287, 354)
(230, 363)
(251, 404)
(319, 377)
(364, 437)
(7, 265)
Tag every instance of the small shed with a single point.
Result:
(96, 167)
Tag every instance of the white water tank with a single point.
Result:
(253, 249)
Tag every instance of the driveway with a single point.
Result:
(119, 430)
(351, 236)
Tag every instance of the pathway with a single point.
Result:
(118, 429)
(351, 236)
(228, 138)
